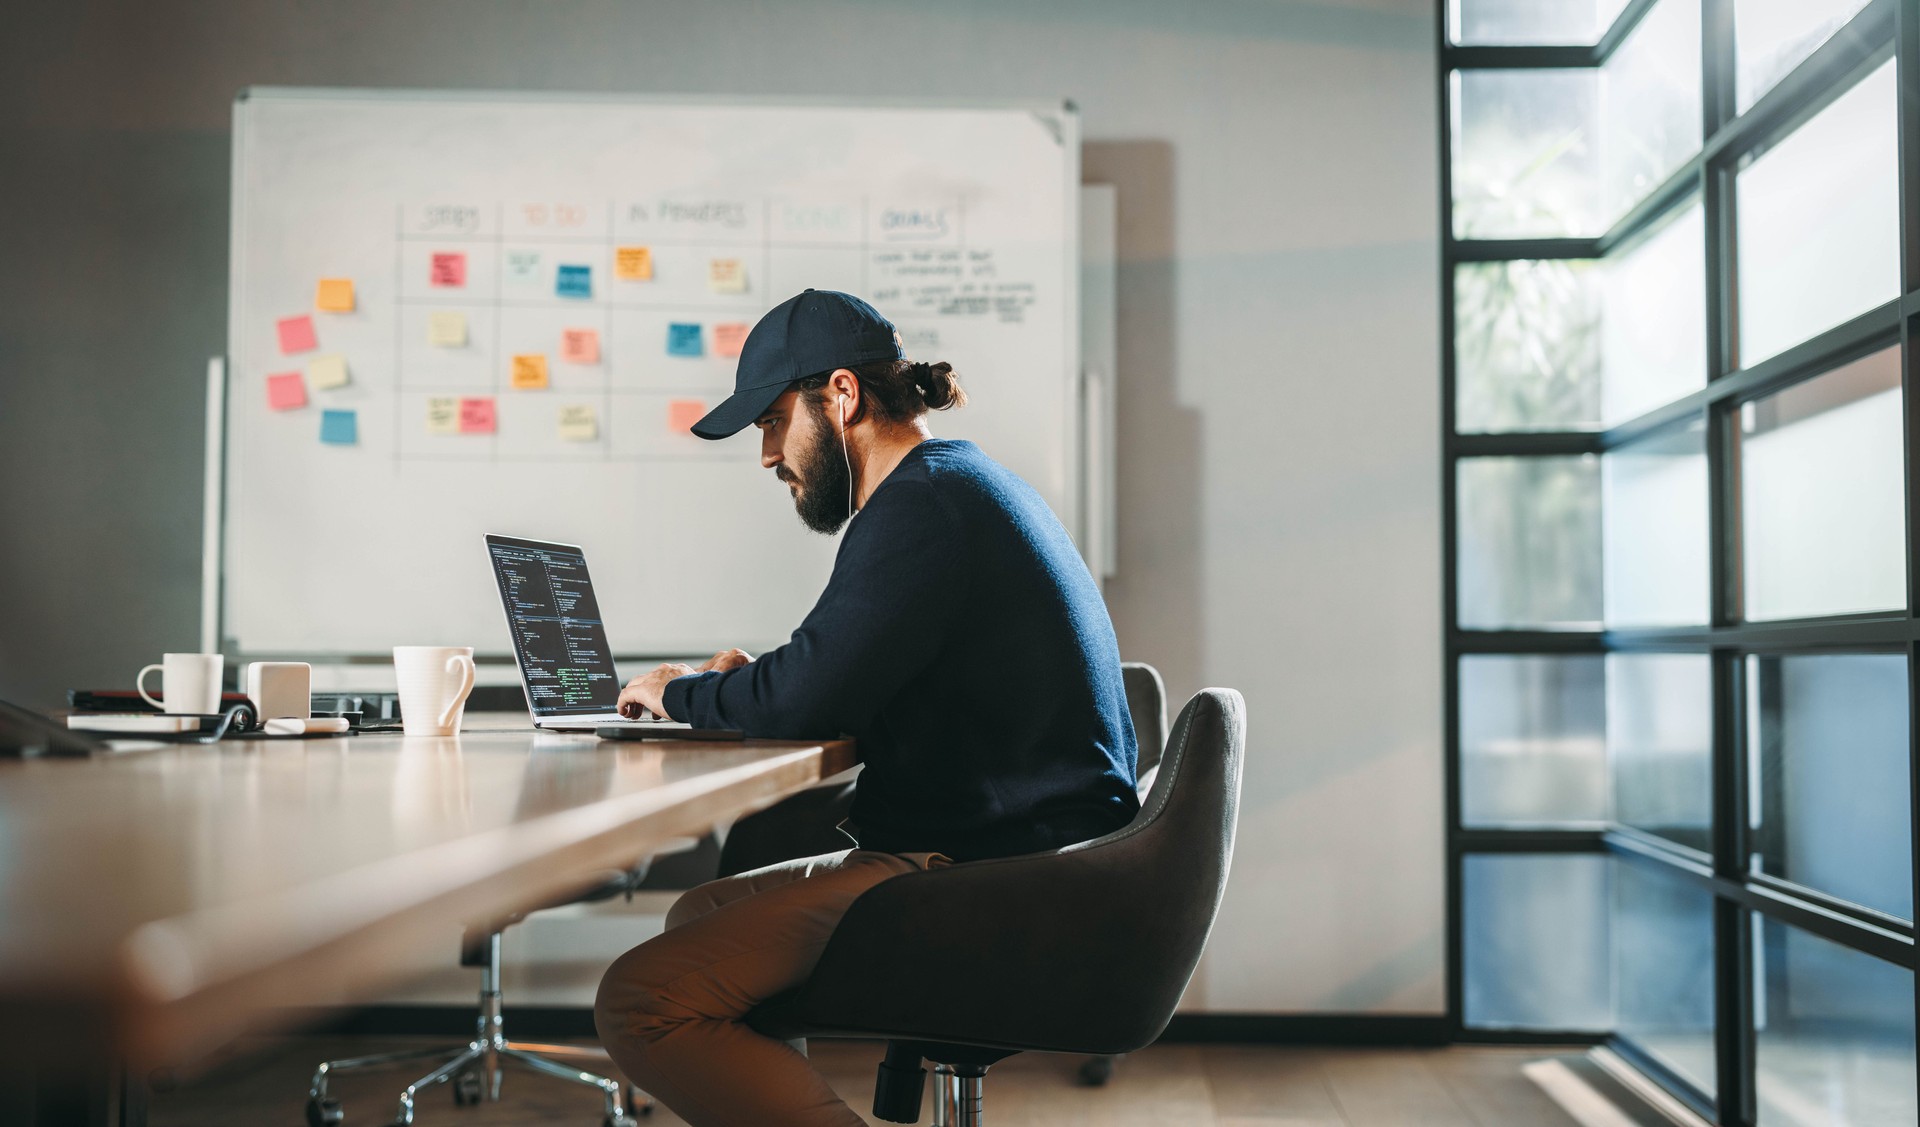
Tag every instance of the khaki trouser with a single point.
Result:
(671, 1011)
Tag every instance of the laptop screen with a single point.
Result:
(557, 633)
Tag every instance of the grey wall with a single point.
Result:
(1279, 408)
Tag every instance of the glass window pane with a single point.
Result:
(1833, 1033)
(1660, 743)
(1529, 542)
(1525, 338)
(1534, 941)
(1663, 969)
(1650, 104)
(1829, 807)
(1654, 497)
(1823, 497)
(1653, 328)
(1771, 37)
(1509, 22)
(1523, 161)
(1533, 744)
(1819, 225)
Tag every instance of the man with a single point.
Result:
(960, 641)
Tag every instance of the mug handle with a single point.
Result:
(140, 685)
(466, 687)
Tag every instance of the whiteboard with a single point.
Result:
(959, 222)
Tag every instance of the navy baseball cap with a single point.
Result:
(814, 332)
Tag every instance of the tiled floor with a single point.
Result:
(1177, 1085)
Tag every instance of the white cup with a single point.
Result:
(189, 683)
(434, 684)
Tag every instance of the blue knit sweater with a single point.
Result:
(962, 643)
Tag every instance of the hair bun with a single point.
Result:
(938, 385)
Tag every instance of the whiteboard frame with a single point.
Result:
(1061, 117)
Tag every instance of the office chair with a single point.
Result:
(475, 1069)
(1147, 704)
(962, 965)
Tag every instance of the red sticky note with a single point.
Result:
(728, 337)
(296, 335)
(286, 391)
(476, 415)
(580, 346)
(683, 413)
(449, 268)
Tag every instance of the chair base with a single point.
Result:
(476, 1068)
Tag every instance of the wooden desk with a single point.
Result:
(153, 905)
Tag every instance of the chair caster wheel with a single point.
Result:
(466, 1088)
(324, 1113)
(620, 1121)
(1096, 1071)
(638, 1102)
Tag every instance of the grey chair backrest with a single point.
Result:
(1147, 704)
(1084, 949)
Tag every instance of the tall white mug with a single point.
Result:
(189, 683)
(434, 684)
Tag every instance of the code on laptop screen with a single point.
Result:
(557, 632)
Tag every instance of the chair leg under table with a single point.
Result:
(475, 1069)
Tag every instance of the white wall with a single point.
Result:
(1279, 407)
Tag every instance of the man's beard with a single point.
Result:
(822, 500)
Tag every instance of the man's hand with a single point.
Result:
(644, 694)
(725, 660)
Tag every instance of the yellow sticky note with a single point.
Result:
(529, 371)
(443, 415)
(334, 295)
(580, 346)
(327, 371)
(726, 275)
(633, 264)
(579, 422)
(447, 328)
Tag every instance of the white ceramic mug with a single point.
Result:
(189, 683)
(434, 684)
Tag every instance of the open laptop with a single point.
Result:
(566, 663)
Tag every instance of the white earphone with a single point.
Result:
(844, 456)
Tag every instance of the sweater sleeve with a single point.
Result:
(885, 613)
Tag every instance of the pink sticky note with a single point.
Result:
(728, 337)
(296, 335)
(580, 346)
(683, 413)
(286, 391)
(476, 415)
(449, 268)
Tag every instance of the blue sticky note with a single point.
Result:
(574, 281)
(339, 428)
(683, 339)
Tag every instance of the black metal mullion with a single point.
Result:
(1449, 594)
(1623, 26)
(1807, 89)
(1529, 57)
(1848, 925)
(1506, 250)
(1522, 444)
(1906, 46)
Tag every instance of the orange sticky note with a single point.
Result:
(530, 371)
(633, 264)
(580, 346)
(334, 295)
(729, 337)
(726, 275)
(296, 334)
(286, 391)
(476, 415)
(683, 413)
